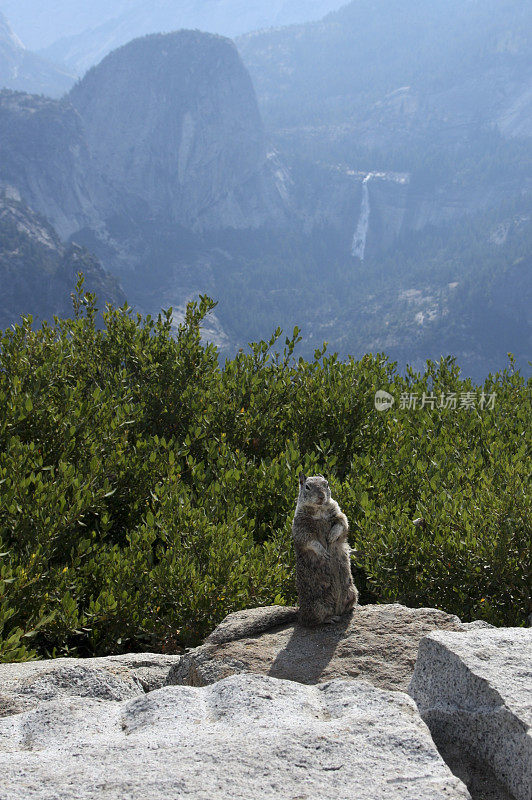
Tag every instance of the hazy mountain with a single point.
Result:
(158, 145)
(419, 100)
(414, 240)
(166, 127)
(420, 87)
(172, 121)
(25, 71)
(412, 65)
(38, 272)
(80, 34)
(409, 127)
(39, 24)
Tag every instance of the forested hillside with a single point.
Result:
(37, 272)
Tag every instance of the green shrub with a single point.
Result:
(146, 492)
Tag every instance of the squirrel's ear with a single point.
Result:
(302, 478)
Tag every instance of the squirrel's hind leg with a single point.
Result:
(352, 598)
(316, 614)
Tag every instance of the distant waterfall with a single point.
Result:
(359, 239)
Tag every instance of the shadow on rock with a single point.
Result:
(309, 651)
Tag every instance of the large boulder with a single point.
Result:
(378, 643)
(246, 736)
(30, 684)
(474, 690)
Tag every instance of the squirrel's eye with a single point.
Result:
(307, 487)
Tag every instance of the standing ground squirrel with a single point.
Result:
(323, 568)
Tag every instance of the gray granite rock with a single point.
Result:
(150, 669)
(27, 685)
(247, 736)
(477, 775)
(375, 642)
(474, 689)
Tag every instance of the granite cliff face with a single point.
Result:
(38, 272)
(173, 123)
(44, 157)
(25, 71)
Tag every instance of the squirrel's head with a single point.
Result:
(313, 490)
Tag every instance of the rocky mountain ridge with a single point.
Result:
(23, 70)
(38, 272)
(447, 64)
(119, 23)
(454, 88)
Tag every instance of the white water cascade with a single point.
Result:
(359, 239)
